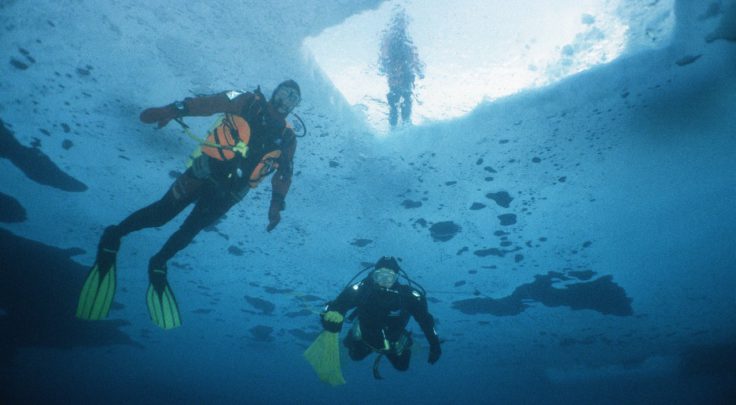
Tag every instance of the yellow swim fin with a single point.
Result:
(161, 302)
(324, 356)
(99, 288)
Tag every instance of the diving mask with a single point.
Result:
(285, 99)
(384, 278)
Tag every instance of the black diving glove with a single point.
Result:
(434, 353)
(274, 211)
(162, 115)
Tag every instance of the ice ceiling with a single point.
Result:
(477, 50)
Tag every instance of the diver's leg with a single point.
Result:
(184, 190)
(211, 206)
(406, 107)
(357, 350)
(182, 193)
(400, 359)
(99, 288)
(393, 104)
(162, 305)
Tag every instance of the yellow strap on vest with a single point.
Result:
(240, 147)
(199, 140)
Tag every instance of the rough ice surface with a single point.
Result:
(478, 51)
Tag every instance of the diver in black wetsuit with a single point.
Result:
(383, 308)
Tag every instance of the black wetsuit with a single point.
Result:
(381, 319)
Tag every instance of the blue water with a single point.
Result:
(577, 242)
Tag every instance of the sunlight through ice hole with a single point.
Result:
(480, 50)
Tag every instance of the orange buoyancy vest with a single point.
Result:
(230, 132)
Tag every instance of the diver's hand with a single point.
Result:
(434, 353)
(274, 211)
(274, 217)
(160, 115)
(332, 321)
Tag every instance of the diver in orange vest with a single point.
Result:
(252, 141)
